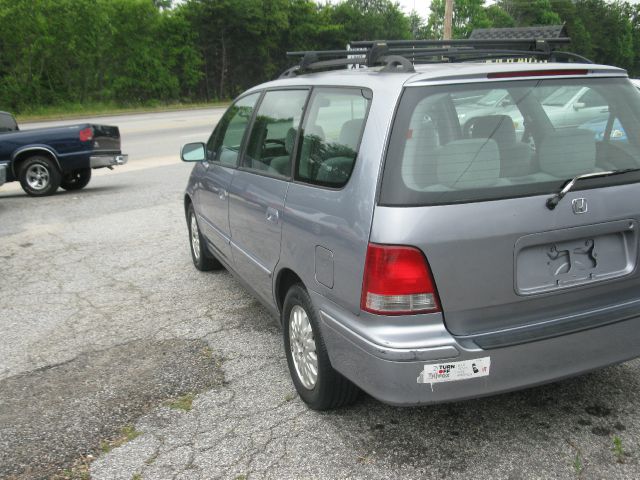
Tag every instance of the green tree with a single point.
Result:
(368, 20)
(498, 18)
(534, 12)
(418, 26)
(610, 31)
(467, 15)
(61, 51)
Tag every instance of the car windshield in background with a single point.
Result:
(450, 145)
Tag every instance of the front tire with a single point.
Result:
(201, 257)
(39, 176)
(318, 384)
(76, 180)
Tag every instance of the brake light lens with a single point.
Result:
(397, 281)
(86, 134)
(538, 73)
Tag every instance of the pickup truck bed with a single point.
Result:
(44, 159)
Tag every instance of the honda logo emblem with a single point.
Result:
(579, 206)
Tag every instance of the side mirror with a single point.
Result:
(579, 105)
(193, 152)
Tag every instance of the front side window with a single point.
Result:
(462, 143)
(274, 132)
(332, 131)
(225, 141)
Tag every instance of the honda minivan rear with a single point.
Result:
(504, 245)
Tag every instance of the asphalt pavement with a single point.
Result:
(119, 360)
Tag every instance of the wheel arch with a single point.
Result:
(187, 202)
(24, 153)
(285, 279)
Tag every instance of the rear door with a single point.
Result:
(222, 151)
(259, 187)
(507, 267)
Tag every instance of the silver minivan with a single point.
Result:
(415, 257)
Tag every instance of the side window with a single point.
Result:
(592, 99)
(225, 141)
(274, 132)
(332, 130)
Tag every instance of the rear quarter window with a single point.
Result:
(331, 135)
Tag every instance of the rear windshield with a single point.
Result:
(475, 142)
(7, 123)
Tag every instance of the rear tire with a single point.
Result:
(76, 180)
(39, 176)
(318, 384)
(202, 259)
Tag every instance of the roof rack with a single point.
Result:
(401, 55)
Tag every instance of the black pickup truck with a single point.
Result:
(44, 159)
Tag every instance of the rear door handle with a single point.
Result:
(273, 215)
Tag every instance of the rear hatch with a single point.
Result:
(106, 139)
(471, 192)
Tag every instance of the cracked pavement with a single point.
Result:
(104, 319)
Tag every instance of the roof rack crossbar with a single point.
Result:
(529, 42)
(454, 52)
(336, 62)
(470, 54)
(399, 55)
(329, 53)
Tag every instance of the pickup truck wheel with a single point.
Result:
(202, 259)
(77, 179)
(39, 176)
(318, 384)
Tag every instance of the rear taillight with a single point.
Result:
(86, 134)
(397, 281)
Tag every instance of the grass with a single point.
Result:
(578, 461)
(127, 433)
(77, 472)
(207, 352)
(577, 464)
(184, 402)
(618, 449)
(74, 110)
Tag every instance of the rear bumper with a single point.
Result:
(394, 375)
(99, 161)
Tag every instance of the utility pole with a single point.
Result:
(448, 17)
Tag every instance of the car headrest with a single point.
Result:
(350, 133)
(290, 139)
(497, 127)
(568, 152)
(463, 164)
(314, 130)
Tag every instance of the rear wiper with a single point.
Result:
(553, 201)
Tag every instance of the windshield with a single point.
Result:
(442, 152)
